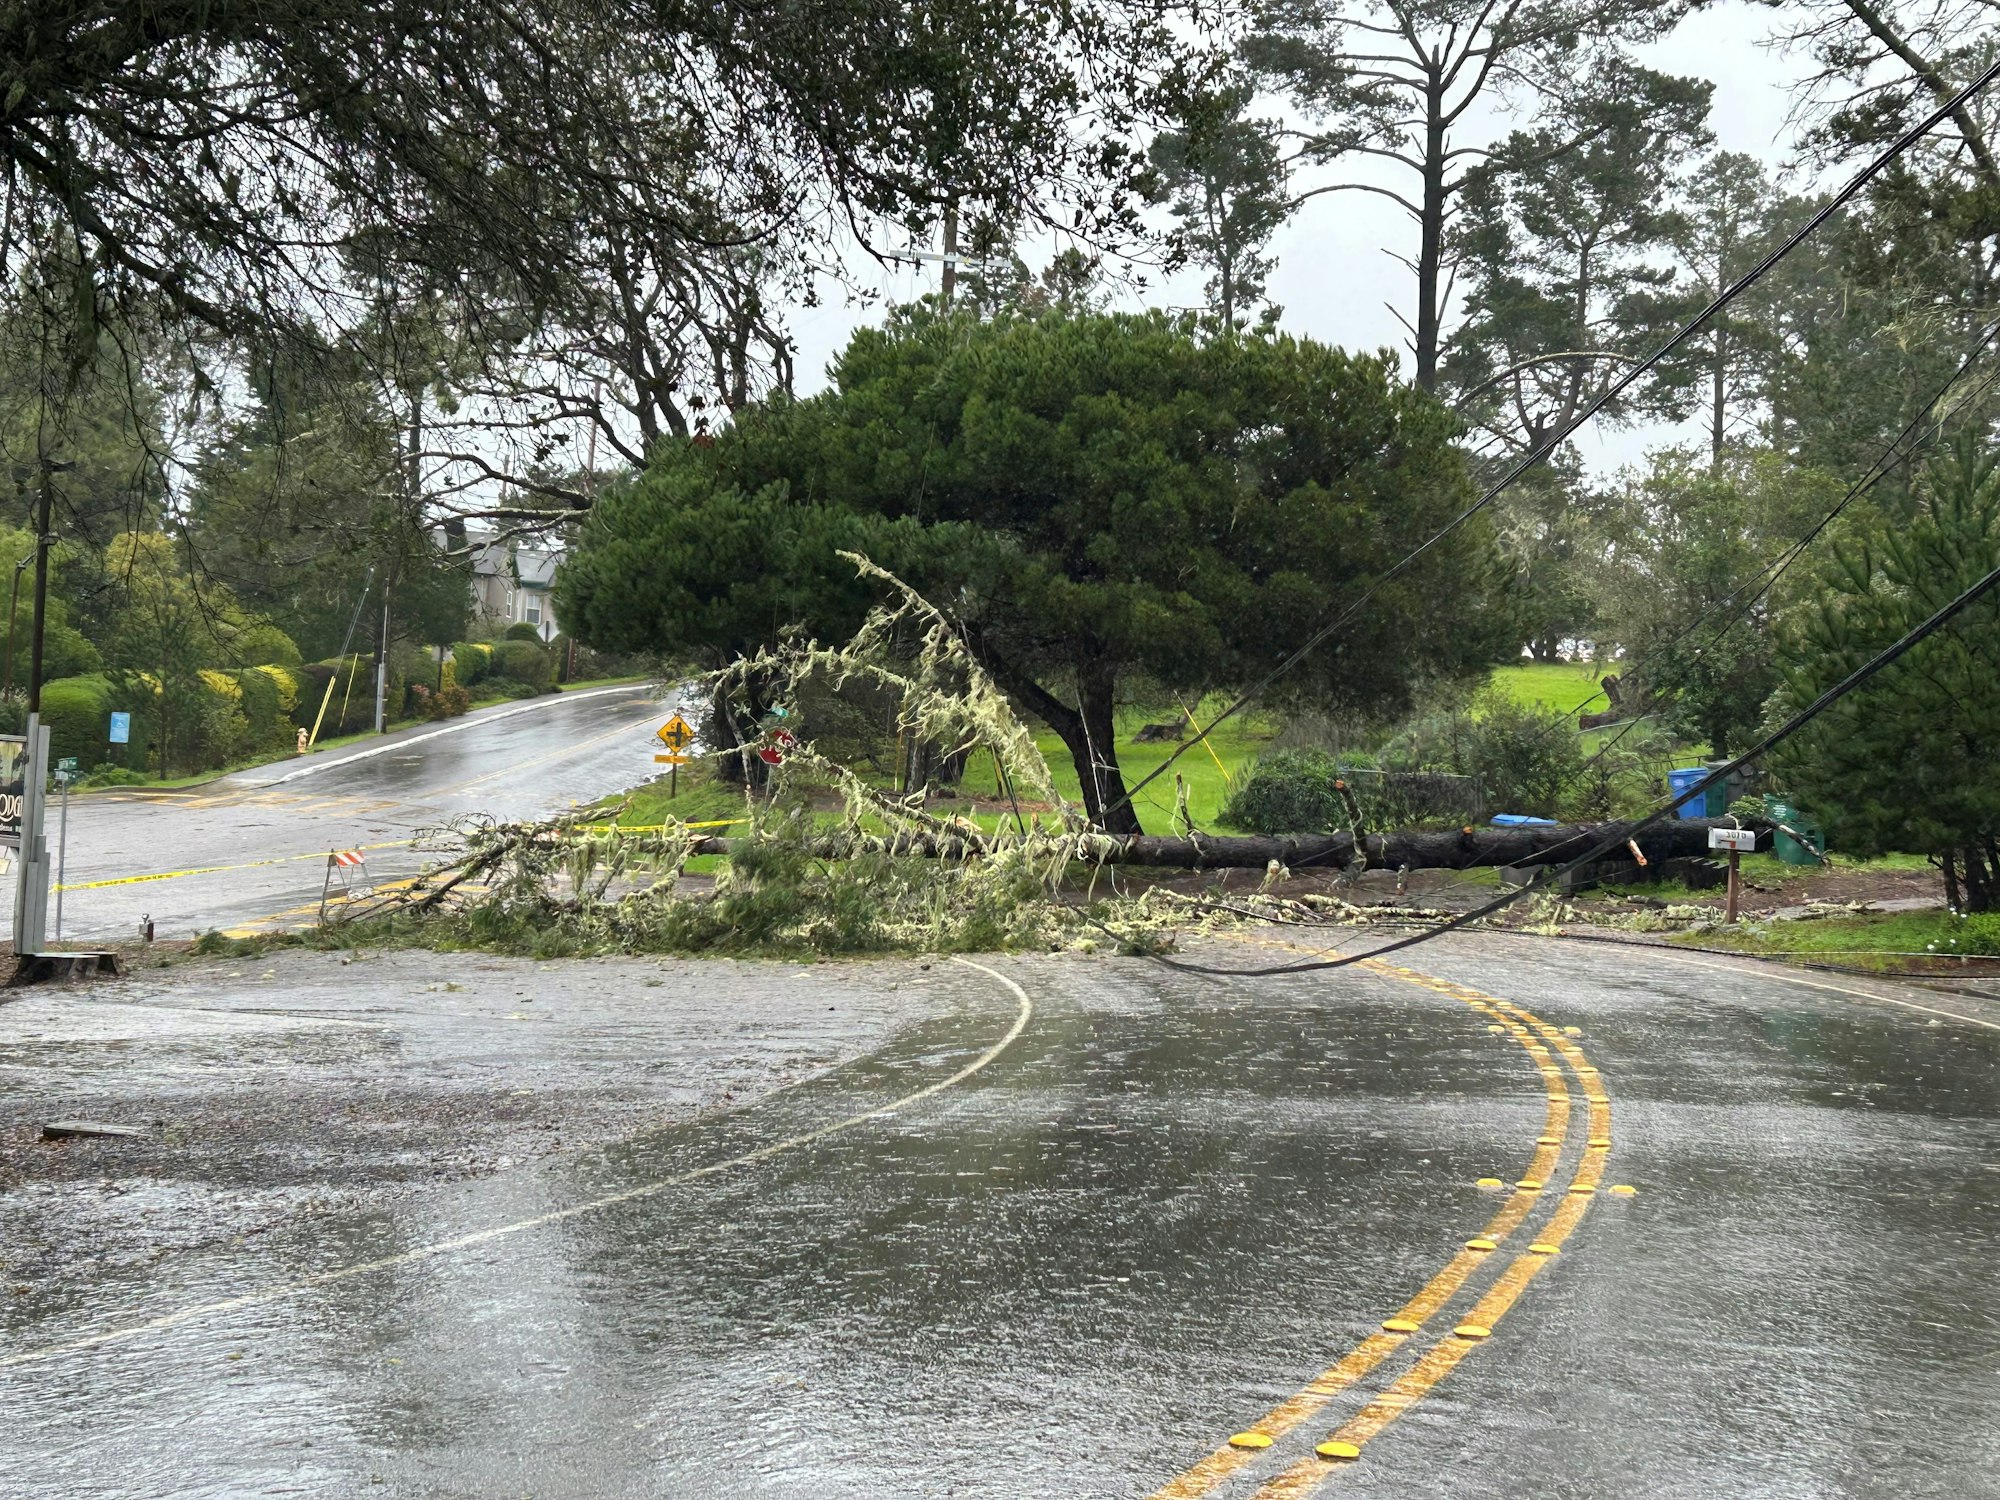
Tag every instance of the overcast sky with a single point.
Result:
(1333, 279)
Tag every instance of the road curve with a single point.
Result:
(252, 845)
(1163, 1211)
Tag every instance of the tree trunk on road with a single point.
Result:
(1451, 849)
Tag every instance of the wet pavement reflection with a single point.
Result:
(1164, 1208)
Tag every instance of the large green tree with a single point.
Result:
(1566, 254)
(1679, 580)
(596, 186)
(1098, 499)
(1222, 173)
(1911, 761)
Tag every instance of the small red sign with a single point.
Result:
(773, 754)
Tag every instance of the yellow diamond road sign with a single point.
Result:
(676, 734)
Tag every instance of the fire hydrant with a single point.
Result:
(302, 742)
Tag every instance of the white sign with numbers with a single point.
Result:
(1744, 839)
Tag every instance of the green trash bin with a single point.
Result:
(1788, 849)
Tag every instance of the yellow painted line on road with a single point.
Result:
(442, 1248)
(254, 864)
(1348, 1442)
(1362, 1360)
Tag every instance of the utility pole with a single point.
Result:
(31, 894)
(382, 670)
(948, 281)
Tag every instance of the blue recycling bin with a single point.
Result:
(1684, 781)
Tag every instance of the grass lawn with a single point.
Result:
(1210, 769)
(1236, 746)
(1885, 940)
(1564, 686)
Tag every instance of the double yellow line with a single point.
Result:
(1544, 1044)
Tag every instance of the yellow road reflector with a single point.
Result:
(1597, 1098)
(1250, 1440)
(1482, 1243)
(1583, 1187)
(1473, 1331)
(1572, 1031)
(1543, 1247)
(1600, 1143)
(1624, 1189)
(1532, 1184)
(1548, 1140)
(1496, 1029)
(1490, 1182)
(1586, 1070)
(1401, 1325)
(1337, 1450)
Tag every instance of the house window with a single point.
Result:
(534, 611)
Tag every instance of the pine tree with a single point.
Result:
(1912, 760)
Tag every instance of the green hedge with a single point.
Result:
(472, 662)
(524, 662)
(78, 713)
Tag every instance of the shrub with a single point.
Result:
(523, 631)
(1290, 791)
(265, 642)
(78, 713)
(525, 662)
(506, 687)
(66, 652)
(1527, 759)
(266, 695)
(472, 661)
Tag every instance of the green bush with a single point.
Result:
(1528, 759)
(523, 631)
(265, 642)
(525, 662)
(66, 652)
(506, 687)
(267, 696)
(1290, 791)
(472, 662)
(78, 713)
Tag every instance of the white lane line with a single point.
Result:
(556, 1216)
(1764, 971)
(462, 724)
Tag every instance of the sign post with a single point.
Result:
(65, 774)
(1735, 840)
(31, 891)
(676, 734)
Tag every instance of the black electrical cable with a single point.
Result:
(1775, 569)
(1687, 330)
(1772, 571)
(1628, 831)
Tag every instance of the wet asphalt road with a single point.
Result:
(1064, 1240)
(250, 848)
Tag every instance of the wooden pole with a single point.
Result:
(1729, 913)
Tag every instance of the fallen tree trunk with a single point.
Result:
(1451, 849)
